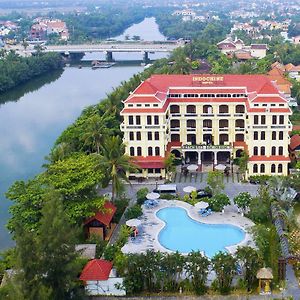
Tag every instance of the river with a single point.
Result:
(33, 115)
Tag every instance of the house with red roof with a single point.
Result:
(294, 147)
(100, 278)
(101, 223)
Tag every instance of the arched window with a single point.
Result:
(280, 150)
(223, 124)
(274, 135)
(280, 168)
(139, 151)
(255, 119)
(191, 109)
(255, 135)
(207, 123)
(138, 136)
(223, 138)
(149, 136)
(174, 109)
(239, 109)
(255, 150)
(255, 168)
(156, 135)
(273, 150)
(157, 152)
(262, 150)
(239, 137)
(240, 123)
(150, 152)
(281, 135)
(223, 109)
(207, 109)
(191, 123)
(131, 151)
(281, 119)
(262, 135)
(175, 138)
(262, 168)
(273, 168)
(175, 124)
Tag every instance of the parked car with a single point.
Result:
(202, 194)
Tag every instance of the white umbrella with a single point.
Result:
(152, 196)
(189, 189)
(133, 222)
(192, 167)
(201, 205)
(220, 167)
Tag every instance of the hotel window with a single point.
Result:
(149, 136)
(280, 168)
(239, 137)
(147, 105)
(131, 136)
(262, 168)
(240, 109)
(223, 124)
(131, 151)
(255, 168)
(255, 151)
(150, 171)
(262, 135)
(155, 105)
(207, 123)
(255, 135)
(138, 120)
(280, 150)
(138, 136)
(255, 119)
(273, 168)
(156, 135)
(223, 138)
(240, 123)
(191, 109)
(157, 171)
(280, 135)
(273, 135)
(139, 151)
(191, 138)
(130, 105)
(191, 124)
(156, 120)
(281, 119)
(262, 150)
(175, 138)
(175, 123)
(274, 120)
(150, 153)
(207, 109)
(149, 120)
(157, 151)
(273, 152)
(263, 119)
(130, 120)
(223, 109)
(174, 109)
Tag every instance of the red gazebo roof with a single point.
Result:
(105, 216)
(96, 269)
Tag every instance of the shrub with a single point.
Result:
(243, 200)
(110, 252)
(218, 202)
(121, 206)
(261, 179)
(100, 244)
(141, 195)
(133, 212)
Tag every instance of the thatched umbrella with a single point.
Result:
(264, 275)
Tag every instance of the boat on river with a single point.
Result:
(101, 64)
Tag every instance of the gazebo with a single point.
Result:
(265, 276)
(101, 223)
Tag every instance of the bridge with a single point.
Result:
(109, 48)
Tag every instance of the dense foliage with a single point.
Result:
(15, 69)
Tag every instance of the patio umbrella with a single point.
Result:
(201, 205)
(220, 167)
(192, 167)
(152, 196)
(133, 222)
(189, 189)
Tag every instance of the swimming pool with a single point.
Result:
(183, 234)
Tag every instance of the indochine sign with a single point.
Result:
(206, 147)
(208, 79)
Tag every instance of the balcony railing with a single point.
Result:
(203, 146)
(191, 129)
(239, 114)
(134, 127)
(260, 126)
(207, 129)
(190, 115)
(278, 126)
(207, 115)
(152, 126)
(175, 114)
(239, 129)
(223, 129)
(223, 115)
(174, 129)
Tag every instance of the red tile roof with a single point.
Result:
(149, 162)
(205, 90)
(173, 144)
(105, 216)
(96, 269)
(294, 142)
(269, 158)
(277, 99)
(145, 99)
(146, 87)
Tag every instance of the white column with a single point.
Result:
(199, 157)
(215, 158)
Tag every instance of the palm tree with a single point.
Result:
(114, 163)
(94, 132)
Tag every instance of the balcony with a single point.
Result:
(174, 129)
(260, 126)
(190, 115)
(191, 129)
(175, 114)
(223, 129)
(239, 114)
(209, 129)
(223, 115)
(278, 126)
(239, 129)
(152, 126)
(204, 147)
(134, 127)
(207, 115)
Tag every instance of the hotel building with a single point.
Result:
(207, 119)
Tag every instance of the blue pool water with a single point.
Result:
(183, 234)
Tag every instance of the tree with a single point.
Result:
(250, 262)
(243, 163)
(218, 202)
(197, 270)
(215, 181)
(170, 165)
(242, 200)
(224, 264)
(114, 163)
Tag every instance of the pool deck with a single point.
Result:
(152, 225)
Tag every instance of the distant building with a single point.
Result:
(44, 27)
(237, 48)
